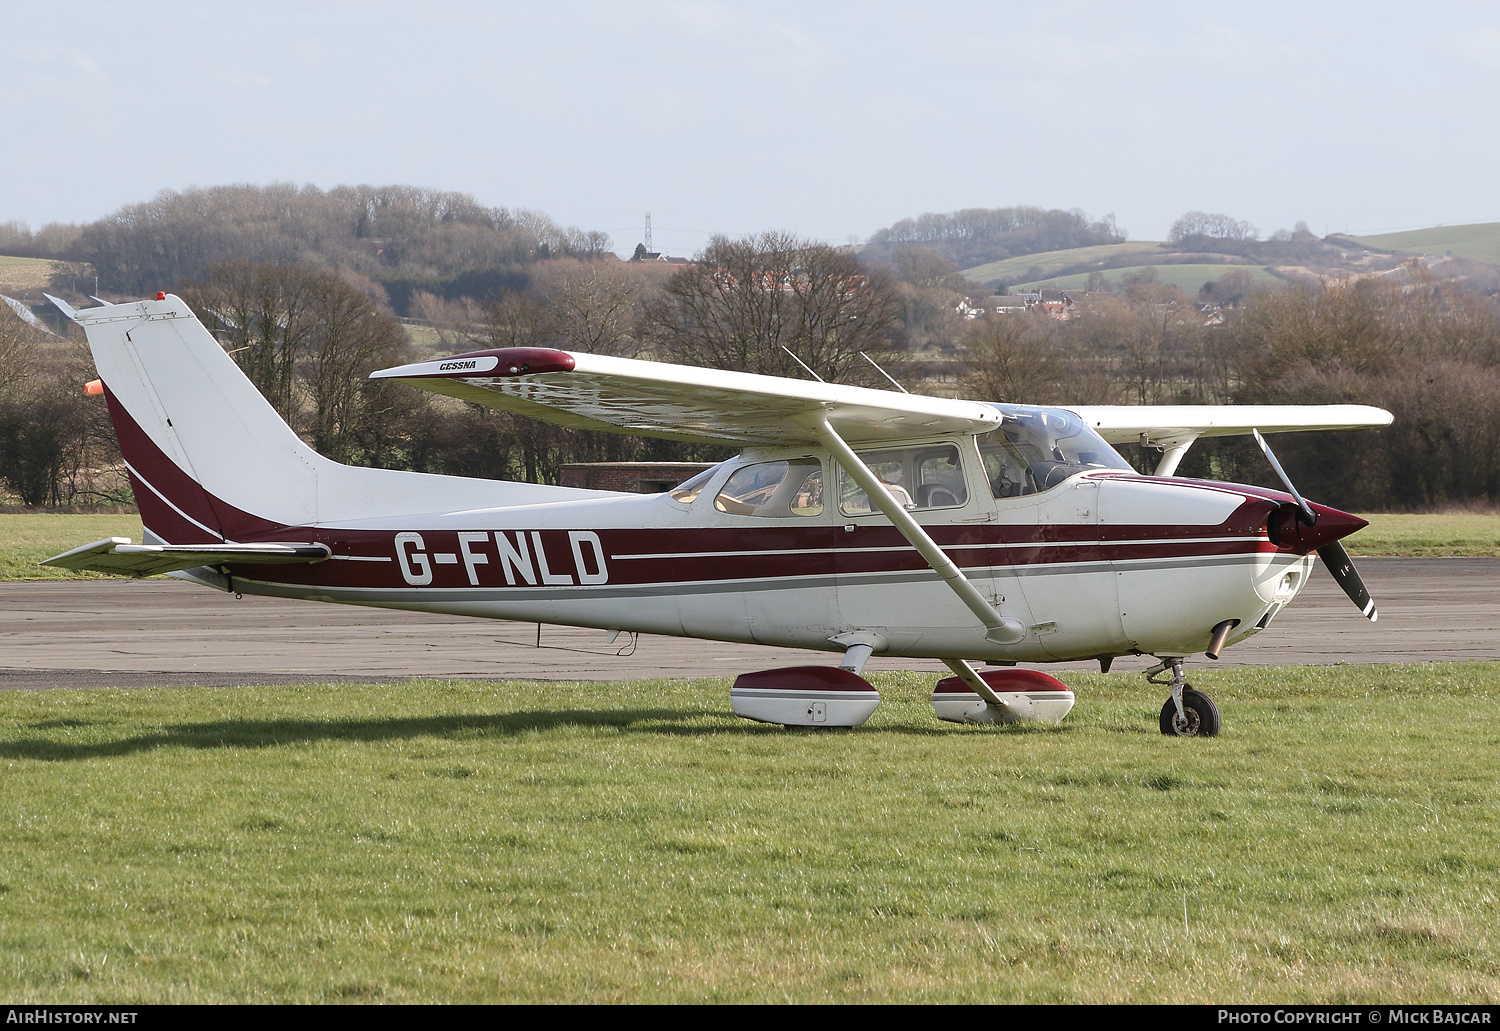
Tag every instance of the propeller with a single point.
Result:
(1335, 558)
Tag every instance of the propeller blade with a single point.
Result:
(1308, 514)
(1342, 567)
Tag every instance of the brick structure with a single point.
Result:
(630, 477)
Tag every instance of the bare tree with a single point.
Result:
(925, 267)
(745, 300)
(1200, 225)
(52, 450)
(307, 339)
(591, 306)
(1014, 358)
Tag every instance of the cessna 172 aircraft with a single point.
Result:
(854, 521)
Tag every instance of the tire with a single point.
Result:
(1202, 716)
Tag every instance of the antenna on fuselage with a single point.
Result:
(887, 375)
(802, 363)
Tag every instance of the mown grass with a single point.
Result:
(1474, 534)
(478, 841)
(25, 540)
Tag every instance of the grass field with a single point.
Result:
(27, 539)
(474, 841)
(1450, 534)
(1479, 242)
(1187, 278)
(1046, 263)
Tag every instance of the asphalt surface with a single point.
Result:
(156, 633)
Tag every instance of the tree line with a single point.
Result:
(403, 237)
(975, 236)
(309, 336)
(1413, 345)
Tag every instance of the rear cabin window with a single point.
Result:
(688, 491)
(918, 478)
(774, 490)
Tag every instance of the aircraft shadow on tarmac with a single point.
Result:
(274, 733)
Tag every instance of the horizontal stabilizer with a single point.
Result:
(117, 555)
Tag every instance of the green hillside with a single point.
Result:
(1187, 278)
(1479, 242)
(1034, 266)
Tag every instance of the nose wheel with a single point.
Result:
(1188, 712)
(1200, 716)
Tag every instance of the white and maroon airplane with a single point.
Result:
(854, 521)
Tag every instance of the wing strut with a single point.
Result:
(1172, 455)
(997, 628)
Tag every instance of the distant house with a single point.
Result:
(1054, 303)
(641, 254)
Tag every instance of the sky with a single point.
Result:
(830, 120)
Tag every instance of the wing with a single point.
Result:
(117, 555)
(657, 399)
(1172, 425)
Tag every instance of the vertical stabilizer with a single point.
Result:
(209, 457)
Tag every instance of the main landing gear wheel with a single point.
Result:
(1200, 716)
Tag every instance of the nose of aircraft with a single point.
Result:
(1332, 525)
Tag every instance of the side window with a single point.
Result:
(688, 492)
(918, 478)
(1008, 472)
(774, 490)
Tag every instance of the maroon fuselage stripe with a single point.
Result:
(151, 462)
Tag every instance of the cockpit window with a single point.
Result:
(774, 490)
(1035, 449)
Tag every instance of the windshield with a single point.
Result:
(1035, 449)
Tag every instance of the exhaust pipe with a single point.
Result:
(1216, 642)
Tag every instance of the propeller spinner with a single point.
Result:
(1335, 558)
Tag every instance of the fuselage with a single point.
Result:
(1103, 563)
